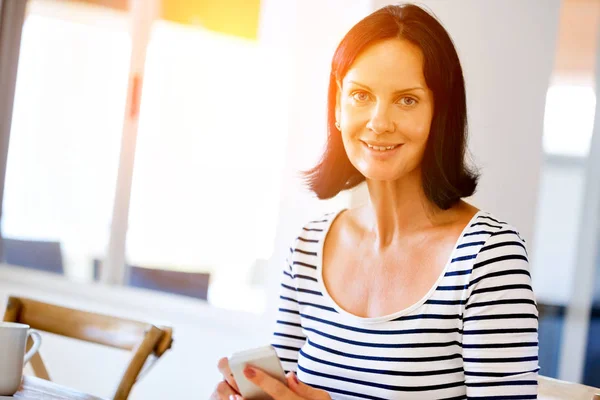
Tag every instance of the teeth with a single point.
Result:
(380, 148)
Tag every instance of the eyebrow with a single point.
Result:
(395, 92)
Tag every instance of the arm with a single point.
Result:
(500, 338)
(288, 337)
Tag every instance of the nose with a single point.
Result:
(380, 121)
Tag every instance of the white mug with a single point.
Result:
(13, 341)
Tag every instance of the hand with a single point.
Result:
(223, 392)
(296, 390)
(228, 387)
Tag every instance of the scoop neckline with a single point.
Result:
(388, 317)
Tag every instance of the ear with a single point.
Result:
(338, 106)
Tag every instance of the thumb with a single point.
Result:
(303, 390)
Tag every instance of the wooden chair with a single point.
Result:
(191, 284)
(142, 339)
(37, 254)
(554, 389)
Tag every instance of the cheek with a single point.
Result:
(349, 141)
(353, 115)
(416, 127)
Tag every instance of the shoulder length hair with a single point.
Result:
(446, 178)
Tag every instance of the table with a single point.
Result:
(33, 388)
(553, 389)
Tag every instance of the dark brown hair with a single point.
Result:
(446, 177)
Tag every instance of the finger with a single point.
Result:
(270, 385)
(223, 391)
(303, 390)
(224, 369)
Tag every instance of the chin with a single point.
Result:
(380, 176)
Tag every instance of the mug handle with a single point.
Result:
(37, 341)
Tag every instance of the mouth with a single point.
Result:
(381, 148)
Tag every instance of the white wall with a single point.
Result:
(507, 50)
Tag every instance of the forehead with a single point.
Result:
(392, 63)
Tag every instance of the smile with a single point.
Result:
(381, 152)
(382, 149)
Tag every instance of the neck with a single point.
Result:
(397, 209)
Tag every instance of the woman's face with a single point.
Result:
(385, 108)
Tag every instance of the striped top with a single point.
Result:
(472, 336)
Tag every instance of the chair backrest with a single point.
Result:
(192, 284)
(37, 254)
(554, 389)
(142, 339)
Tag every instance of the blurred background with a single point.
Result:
(151, 153)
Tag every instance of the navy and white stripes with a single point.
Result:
(473, 336)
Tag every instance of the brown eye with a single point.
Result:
(360, 96)
(408, 101)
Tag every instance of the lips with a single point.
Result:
(376, 146)
(378, 154)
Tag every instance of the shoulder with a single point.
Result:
(317, 227)
(303, 253)
(494, 231)
(500, 280)
(311, 234)
(502, 251)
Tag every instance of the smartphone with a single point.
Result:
(264, 358)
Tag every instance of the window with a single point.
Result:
(209, 160)
(66, 129)
(569, 119)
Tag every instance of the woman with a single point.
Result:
(416, 294)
